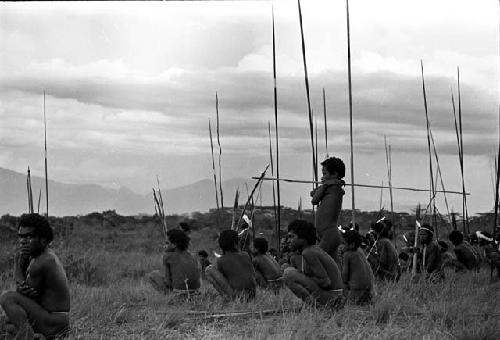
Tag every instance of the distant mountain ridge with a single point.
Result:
(78, 199)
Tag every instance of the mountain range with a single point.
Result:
(78, 199)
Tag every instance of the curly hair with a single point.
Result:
(304, 230)
(334, 164)
(261, 245)
(228, 240)
(39, 224)
(179, 238)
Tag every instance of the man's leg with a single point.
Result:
(157, 280)
(28, 316)
(261, 281)
(303, 287)
(220, 283)
(330, 242)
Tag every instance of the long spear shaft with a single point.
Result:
(220, 151)
(46, 176)
(213, 164)
(326, 128)
(440, 174)
(272, 174)
(428, 139)
(259, 180)
(362, 185)
(278, 227)
(389, 174)
(464, 198)
(306, 77)
(350, 112)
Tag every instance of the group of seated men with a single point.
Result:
(41, 302)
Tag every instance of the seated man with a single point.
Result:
(180, 270)
(41, 302)
(466, 258)
(233, 274)
(356, 272)
(267, 270)
(430, 255)
(319, 281)
(384, 256)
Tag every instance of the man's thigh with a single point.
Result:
(41, 320)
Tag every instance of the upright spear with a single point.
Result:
(30, 192)
(306, 78)
(213, 164)
(272, 173)
(278, 217)
(428, 144)
(326, 128)
(389, 173)
(220, 151)
(464, 198)
(46, 176)
(350, 112)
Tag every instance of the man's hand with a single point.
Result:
(26, 290)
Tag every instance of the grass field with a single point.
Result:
(110, 301)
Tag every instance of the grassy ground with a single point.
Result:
(110, 301)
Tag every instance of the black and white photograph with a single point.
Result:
(261, 169)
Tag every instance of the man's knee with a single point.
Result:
(291, 274)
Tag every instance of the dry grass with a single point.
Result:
(110, 301)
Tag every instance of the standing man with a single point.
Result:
(41, 302)
(328, 197)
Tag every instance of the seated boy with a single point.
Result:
(180, 270)
(356, 271)
(267, 270)
(320, 281)
(41, 302)
(466, 258)
(204, 262)
(233, 274)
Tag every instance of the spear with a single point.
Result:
(464, 198)
(428, 142)
(299, 209)
(30, 192)
(350, 112)
(39, 199)
(213, 165)
(381, 195)
(220, 151)
(259, 180)
(363, 185)
(415, 243)
(389, 173)
(306, 78)
(326, 128)
(272, 173)
(278, 215)
(235, 207)
(440, 174)
(460, 159)
(46, 176)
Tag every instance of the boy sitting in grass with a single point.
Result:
(180, 270)
(267, 270)
(319, 281)
(356, 272)
(328, 197)
(466, 258)
(233, 274)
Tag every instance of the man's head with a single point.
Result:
(34, 233)
(380, 229)
(353, 239)
(456, 237)
(333, 167)
(228, 240)
(178, 239)
(260, 244)
(425, 234)
(301, 234)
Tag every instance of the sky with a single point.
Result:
(130, 89)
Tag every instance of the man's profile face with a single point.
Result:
(29, 242)
(296, 243)
(423, 236)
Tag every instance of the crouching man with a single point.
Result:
(41, 302)
(319, 280)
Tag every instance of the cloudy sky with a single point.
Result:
(131, 87)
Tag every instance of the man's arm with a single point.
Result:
(346, 268)
(317, 194)
(431, 261)
(316, 271)
(21, 263)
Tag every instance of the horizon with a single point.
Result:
(131, 86)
